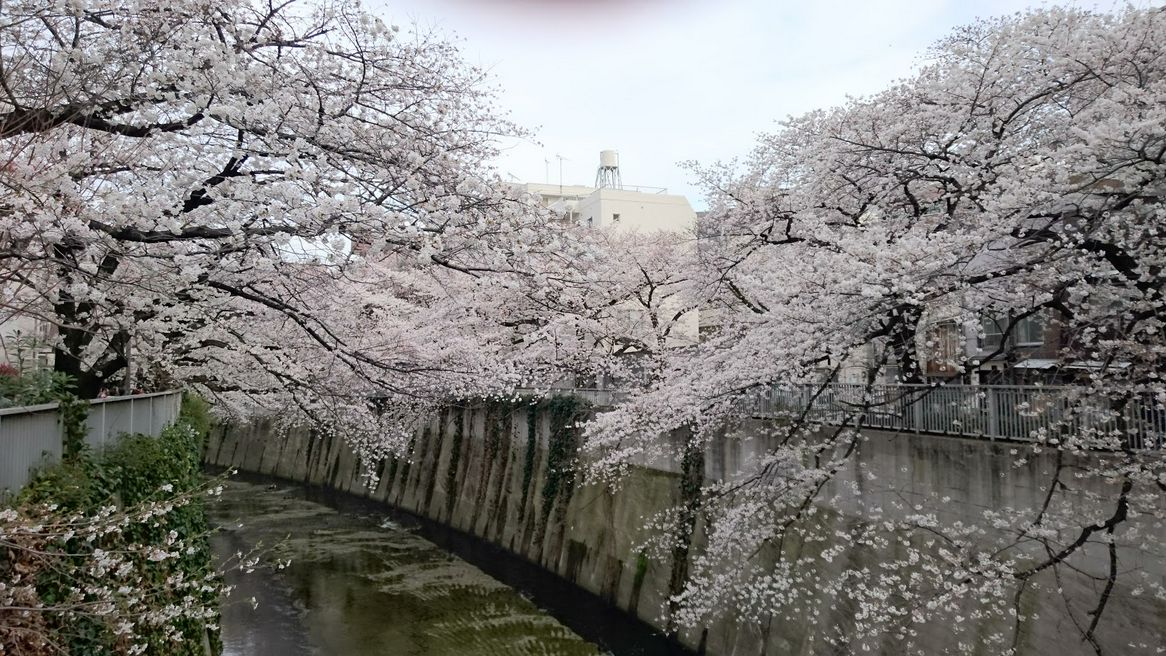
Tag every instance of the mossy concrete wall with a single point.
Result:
(505, 474)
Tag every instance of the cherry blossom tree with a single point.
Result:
(182, 184)
(1021, 172)
(616, 310)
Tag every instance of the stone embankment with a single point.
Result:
(507, 474)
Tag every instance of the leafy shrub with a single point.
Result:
(197, 413)
(33, 388)
(108, 554)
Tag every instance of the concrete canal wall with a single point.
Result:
(504, 473)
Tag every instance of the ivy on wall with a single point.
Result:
(497, 413)
(530, 454)
(691, 479)
(73, 412)
(562, 450)
(455, 455)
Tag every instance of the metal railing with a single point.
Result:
(1005, 412)
(31, 436)
(1009, 412)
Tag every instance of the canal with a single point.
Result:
(363, 581)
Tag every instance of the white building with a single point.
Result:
(611, 204)
(25, 341)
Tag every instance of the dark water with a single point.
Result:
(360, 584)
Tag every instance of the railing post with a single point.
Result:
(1133, 426)
(993, 413)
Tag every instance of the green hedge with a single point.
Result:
(137, 470)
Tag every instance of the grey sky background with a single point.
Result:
(664, 81)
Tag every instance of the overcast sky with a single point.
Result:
(663, 81)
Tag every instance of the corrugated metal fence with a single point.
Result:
(31, 436)
(1010, 412)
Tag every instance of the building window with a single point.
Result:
(1029, 331)
(943, 348)
(615, 218)
(993, 333)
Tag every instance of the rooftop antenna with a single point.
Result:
(547, 178)
(607, 175)
(561, 158)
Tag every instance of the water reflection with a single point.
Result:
(359, 585)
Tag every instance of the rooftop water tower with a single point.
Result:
(608, 173)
